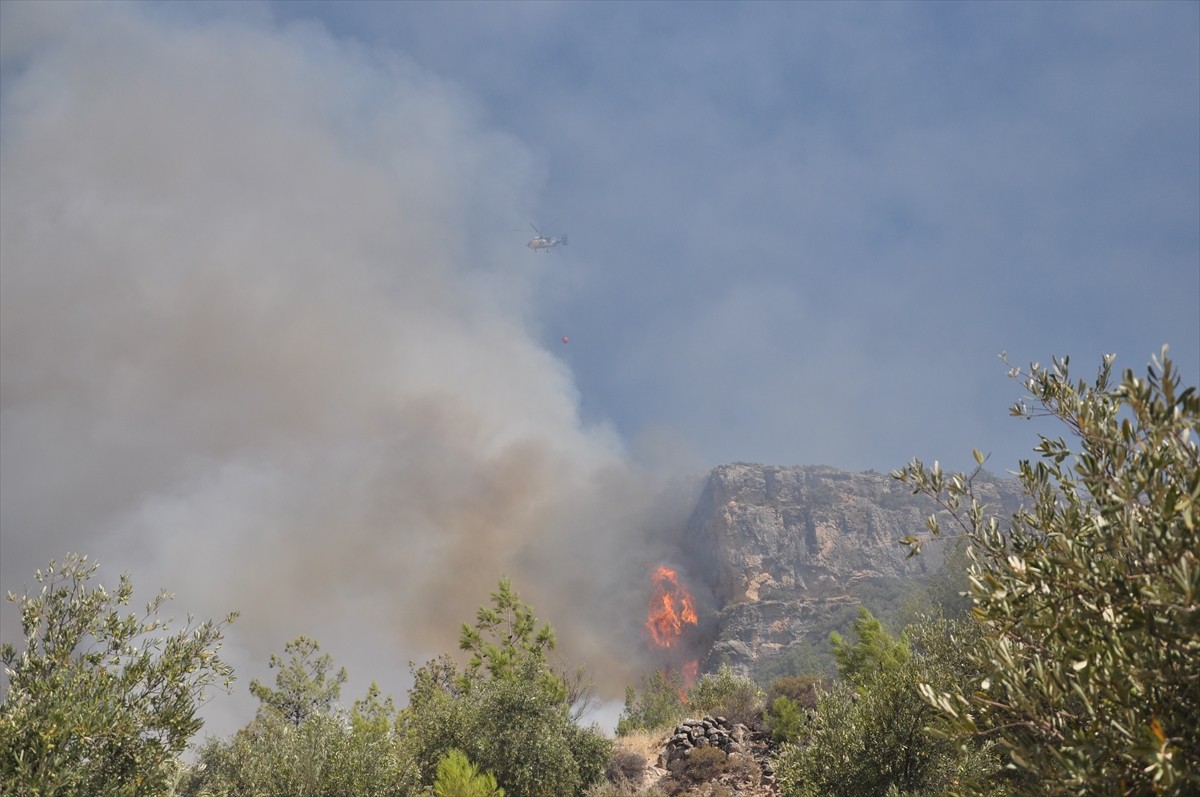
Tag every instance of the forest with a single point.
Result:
(1061, 662)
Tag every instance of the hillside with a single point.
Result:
(786, 554)
(777, 558)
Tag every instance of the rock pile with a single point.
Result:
(726, 736)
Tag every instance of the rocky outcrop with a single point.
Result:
(787, 551)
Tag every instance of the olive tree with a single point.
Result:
(98, 701)
(1089, 599)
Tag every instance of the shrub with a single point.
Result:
(707, 790)
(701, 764)
(512, 727)
(728, 695)
(591, 749)
(785, 720)
(458, 777)
(658, 707)
(624, 788)
(800, 689)
(331, 753)
(744, 768)
(626, 765)
(872, 733)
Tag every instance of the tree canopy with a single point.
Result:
(303, 685)
(302, 743)
(1089, 599)
(508, 711)
(101, 702)
(1059, 658)
(505, 638)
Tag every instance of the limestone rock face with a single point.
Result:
(786, 550)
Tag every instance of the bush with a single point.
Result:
(706, 790)
(626, 765)
(803, 656)
(785, 720)
(800, 689)
(744, 768)
(458, 777)
(728, 695)
(592, 751)
(624, 788)
(700, 764)
(659, 706)
(321, 758)
(872, 733)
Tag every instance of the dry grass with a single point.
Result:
(645, 743)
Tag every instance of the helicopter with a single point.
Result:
(544, 241)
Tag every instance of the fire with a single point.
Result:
(689, 673)
(670, 608)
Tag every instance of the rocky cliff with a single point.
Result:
(788, 553)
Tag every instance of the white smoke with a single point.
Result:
(268, 342)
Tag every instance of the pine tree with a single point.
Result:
(458, 777)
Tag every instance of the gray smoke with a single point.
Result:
(268, 342)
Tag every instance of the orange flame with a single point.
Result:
(670, 608)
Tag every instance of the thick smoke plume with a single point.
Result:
(268, 342)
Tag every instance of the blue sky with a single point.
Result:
(271, 336)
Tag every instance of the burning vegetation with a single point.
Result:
(671, 607)
(670, 610)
